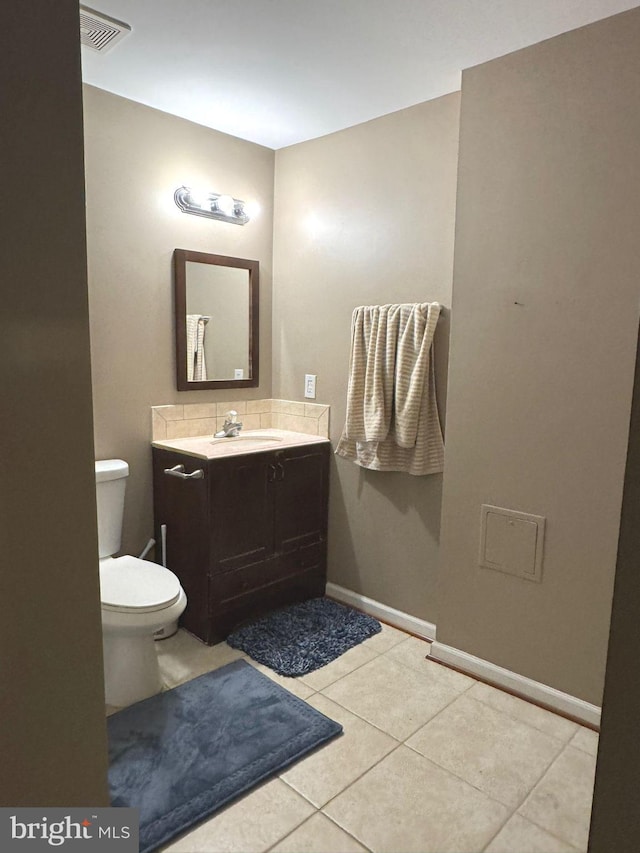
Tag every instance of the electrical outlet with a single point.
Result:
(310, 385)
(238, 373)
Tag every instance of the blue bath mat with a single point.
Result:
(303, 637)
(181, 755)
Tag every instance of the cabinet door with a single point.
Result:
(241, 491)
(302, 476)
(183, 506)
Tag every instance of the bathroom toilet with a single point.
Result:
(138, 598)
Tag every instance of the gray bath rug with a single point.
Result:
(303, 637)
(181, 755)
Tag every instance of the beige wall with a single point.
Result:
(366, 216)
(135, 159)
(544, 322)
(53, 734)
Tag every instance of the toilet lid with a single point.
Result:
(127, 583)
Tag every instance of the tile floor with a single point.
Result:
(431, 761)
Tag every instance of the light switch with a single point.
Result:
(512, 542)
(310, 385)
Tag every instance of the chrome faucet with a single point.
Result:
(231, 427)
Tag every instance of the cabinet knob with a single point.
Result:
(178, 471)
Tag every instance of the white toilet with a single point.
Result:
(138, 598)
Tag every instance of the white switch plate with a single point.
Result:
(310, 385)
(238, 373)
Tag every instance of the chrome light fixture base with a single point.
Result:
(211, 205)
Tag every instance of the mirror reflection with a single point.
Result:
(216, 321)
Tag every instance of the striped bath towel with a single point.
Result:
(392, 421)
(196, 364)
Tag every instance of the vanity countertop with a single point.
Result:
(251, 441)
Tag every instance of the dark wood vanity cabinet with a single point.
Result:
(251, 535)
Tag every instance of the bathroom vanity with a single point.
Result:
(246, 523)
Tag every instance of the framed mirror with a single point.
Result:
(216, 317)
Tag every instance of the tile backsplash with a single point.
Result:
(186, 420)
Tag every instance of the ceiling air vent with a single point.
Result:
(99, 32)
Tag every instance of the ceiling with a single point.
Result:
(277, 72)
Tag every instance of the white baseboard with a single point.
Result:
(564, 703)
(554, 699)
(390, 615)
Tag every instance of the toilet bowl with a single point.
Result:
(138, 598)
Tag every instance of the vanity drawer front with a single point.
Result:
(227, 585)
(305, 557)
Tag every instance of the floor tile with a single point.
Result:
(183, 657)
(561, 801)
(523, 836)
(293, 685)
(499, 755)
(386, 639)
(252, 824)
(412, 652)
(586, 740)
(541, 719)
(318, 834)
(346, 663)
(391, 696)
(469, 744)
(406, 803)
(329, 770)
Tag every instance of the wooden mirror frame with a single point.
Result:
(180, 258)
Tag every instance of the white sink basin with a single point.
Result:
(249, 440)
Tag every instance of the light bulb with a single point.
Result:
(252, 209)
(225, 204)
(200, 198)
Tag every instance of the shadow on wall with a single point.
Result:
(441, 361)
(342, 559)
(407, 493)
(384, 526)
(384, 533)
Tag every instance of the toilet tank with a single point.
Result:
(111, 478)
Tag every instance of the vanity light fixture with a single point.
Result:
(212, 205)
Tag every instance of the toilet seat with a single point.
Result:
(131, 585)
